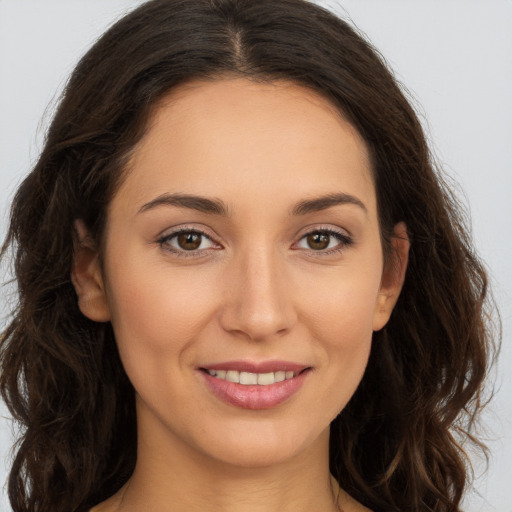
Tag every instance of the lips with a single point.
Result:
(254, 385)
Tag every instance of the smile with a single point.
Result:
(254, 386)
(248, 378)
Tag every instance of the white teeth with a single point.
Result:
(251, 379)
(248, 378)
(279, 376)
(233, 376)
(264, 379)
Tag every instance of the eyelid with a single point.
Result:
(345, 239)
(167, 235)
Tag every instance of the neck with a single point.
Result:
(171, 476)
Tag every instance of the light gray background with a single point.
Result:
(455, 57)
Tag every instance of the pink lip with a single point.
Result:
(254, 396)
(257, 367)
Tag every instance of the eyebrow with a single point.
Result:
(323, 202)
(216, 206)
(202, 204)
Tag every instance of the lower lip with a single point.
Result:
(254, 396)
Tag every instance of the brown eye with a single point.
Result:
(325, 241)
(318, 241)
(189, 241)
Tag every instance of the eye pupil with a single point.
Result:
(189, 241)
(318, 241)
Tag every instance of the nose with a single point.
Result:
(257, 302)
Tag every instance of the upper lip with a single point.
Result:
(257, 367)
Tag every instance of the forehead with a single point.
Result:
(226, 136)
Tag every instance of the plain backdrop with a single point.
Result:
(454, 57)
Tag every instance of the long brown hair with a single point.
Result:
(397, 444)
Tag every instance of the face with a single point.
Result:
(243, 270)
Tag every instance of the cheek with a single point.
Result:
(344, 325)
(156, 311)
(157, 315)
(341, 306)
(340, 322)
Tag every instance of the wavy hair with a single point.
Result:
(398, 444)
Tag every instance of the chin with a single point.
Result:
(259, 448)
(257, 455)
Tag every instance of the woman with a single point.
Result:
(242, 283)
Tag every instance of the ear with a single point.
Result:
(87, 277)
(393, 276)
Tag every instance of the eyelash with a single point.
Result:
(345, 241)
(162, 241)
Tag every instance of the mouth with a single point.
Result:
(253, 378)
(254, 386)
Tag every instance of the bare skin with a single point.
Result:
(274, 275)
(343, 502)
